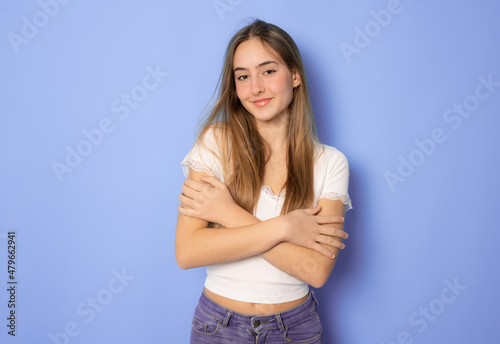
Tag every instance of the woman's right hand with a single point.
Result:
(208, 200)
(305, 228)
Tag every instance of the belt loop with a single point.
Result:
(314, 297)
(229, 313)
(280, 322)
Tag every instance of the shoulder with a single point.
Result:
(206, 153)
(210, 133)
(329, 156)
(214, 135)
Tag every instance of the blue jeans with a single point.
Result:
(215, 324)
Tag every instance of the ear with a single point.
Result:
(296, 78)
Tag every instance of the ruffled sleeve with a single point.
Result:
(337, 177)
(204, 156)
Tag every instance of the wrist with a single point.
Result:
(236, 216)
(231, 216)
(284, 226)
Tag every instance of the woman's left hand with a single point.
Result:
(209, 200)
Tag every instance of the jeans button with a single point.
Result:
(256, 323)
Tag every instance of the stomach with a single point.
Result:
(249, 308)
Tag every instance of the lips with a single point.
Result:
(262, 102)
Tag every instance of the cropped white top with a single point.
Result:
(253, 279)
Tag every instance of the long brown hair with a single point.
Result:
(242, 148)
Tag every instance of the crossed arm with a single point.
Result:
(303, 243)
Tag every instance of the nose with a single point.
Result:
(257, 86)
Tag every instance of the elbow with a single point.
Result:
(183, 265)
(318, 281)
(187, 257)
(183, 260)
(320, 277)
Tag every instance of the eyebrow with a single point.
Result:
(258, 66)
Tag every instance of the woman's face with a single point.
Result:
(264, 84)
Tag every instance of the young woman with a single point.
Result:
(263, 203)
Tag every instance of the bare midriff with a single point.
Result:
(253, 308)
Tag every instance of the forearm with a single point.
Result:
(196, 245)
(208, 200)
(208, 246)
(300, 262)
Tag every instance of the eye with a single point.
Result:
(242, 77)
(269, 71)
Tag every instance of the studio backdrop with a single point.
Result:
(101, 100)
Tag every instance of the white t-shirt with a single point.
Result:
(253, 279)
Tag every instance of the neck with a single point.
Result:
(275, 135)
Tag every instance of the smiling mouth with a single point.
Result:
(262, 102)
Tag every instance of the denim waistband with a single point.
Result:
(279, 321)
